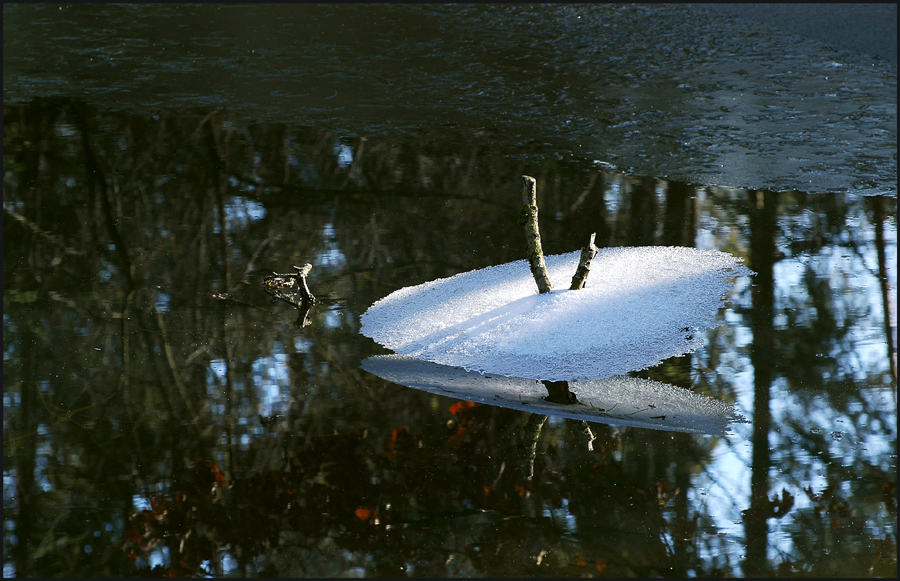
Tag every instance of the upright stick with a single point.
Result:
(528, 218)
(584, 264)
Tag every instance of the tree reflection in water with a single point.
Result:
(162, 414)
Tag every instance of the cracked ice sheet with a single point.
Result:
(621, 400)
(640, 306)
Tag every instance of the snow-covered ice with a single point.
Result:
(640, 306)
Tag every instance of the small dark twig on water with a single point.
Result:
(285, 286)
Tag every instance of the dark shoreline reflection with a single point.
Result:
(131, 392)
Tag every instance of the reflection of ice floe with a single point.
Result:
(639, 307)
(621, 400)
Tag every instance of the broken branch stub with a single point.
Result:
(285, 286)
(528, 218)
(302, 271)
(559, 392)
(584, 264)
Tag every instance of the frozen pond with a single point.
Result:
(163, 415)
(666, 91)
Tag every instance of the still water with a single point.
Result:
(164, 415)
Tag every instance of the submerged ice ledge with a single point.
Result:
(620, 400)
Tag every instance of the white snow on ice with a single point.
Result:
(640, 306)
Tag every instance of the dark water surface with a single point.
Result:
(664, 91)
(163, 415)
